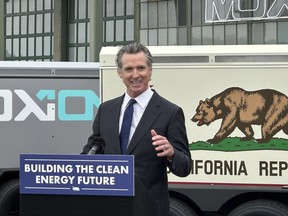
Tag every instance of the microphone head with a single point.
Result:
(100, 143)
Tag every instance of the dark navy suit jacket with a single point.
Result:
(167, 119)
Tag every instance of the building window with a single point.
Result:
(78, 43)
(29, 30)
(217, 33)
(118, 22)
(252, 27)
(163, 22)
(283, 32)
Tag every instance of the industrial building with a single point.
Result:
(75, 30)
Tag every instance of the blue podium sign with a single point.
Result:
(107, 175)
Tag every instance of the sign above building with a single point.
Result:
(240, 10)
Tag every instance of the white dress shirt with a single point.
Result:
(139, 108)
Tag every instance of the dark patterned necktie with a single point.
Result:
(126, 126)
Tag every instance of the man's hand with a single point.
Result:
(162, 146)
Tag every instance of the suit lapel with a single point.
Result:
(113, 120)
(150, 115)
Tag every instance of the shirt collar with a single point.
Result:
(142, 99)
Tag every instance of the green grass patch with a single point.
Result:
(234, 144)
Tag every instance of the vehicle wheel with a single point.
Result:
(260, 208)
(179, 208)
(10, 198)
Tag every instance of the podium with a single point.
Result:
(82, 185)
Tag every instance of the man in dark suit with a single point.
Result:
(158, 135)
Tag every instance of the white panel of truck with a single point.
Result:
(186, 75)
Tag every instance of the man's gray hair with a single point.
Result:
(133, 48)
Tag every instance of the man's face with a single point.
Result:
(135, 73)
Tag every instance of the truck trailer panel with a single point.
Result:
(248, 87)
(45, 107)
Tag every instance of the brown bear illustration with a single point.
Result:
(240, 108)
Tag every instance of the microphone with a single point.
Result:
(93, 150)
(97, 146)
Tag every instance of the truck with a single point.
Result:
(235, 102)
(45, 107)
